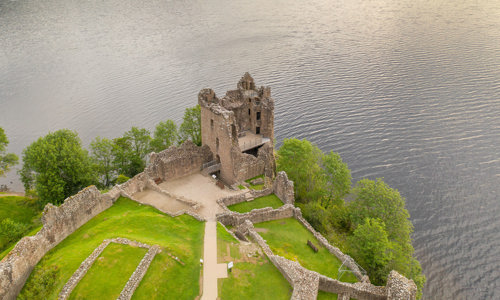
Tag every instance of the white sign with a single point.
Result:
(230, 265)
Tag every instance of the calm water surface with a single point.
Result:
(405, 90)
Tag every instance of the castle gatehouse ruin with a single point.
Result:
(239, 129)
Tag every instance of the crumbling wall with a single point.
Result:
(248, 166)
(283, 188)
(176, 162)
(400, 287)
(256, 216)
(358, 290)
(58, 223)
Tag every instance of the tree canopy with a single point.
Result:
(165, 135)
(316, 176)
(190, 128)
(101, 150)
(7, 160)
(57, 166)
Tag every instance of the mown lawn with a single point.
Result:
(261, 202)
(256, 186)
(24, 212)
(251, 277)
(116, 261)
(288, 238)
(166, 278)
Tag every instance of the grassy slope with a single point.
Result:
(266, 201)
(288, 238)
(326, 296)
(20, 210)
(113, 267)
(166, 278)
(255, 278)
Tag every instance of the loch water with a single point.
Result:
(404, 90)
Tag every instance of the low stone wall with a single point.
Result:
(58, 223)
(133, 281)
(176, 162)
(256, 216)
(283, 188)
(358, 290)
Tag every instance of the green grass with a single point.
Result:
(257, 186)
(326, 296)
(241, 187)
(265, 201)
(117, 261)
(251, 278)
(288, 238)
(166, 278)
(20, 210)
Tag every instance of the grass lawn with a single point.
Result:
(266, 201)
(21, 210)
(257, 186)
(288, 238)
(326, 296)
(116, 261)
(251, 277)
(166, 278)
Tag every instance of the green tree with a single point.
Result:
(56, 166)
(122, 152)
(165, 135)
(7, 160)
(190, 128)
(372, 249)
(299, 159)
(140, 140)
(102, 156)
(375, 199)
(338, 176)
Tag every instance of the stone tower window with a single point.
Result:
(212, 124)
(257, 130)
(249, 111)
(258, 115)
(217, 144)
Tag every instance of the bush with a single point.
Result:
(122, 179)
(43, 279)
(11, 230)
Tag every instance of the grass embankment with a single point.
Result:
(255, 186)
(261, 202)
(288, 238)
(116, 261)
(25, 215)
(326, 296)
(166, 278)
(252, 277)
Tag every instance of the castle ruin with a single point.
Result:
(239, 129)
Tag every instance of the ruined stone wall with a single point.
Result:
(358, 290)
(283, 188)
(58, 223)
(400, 287)
(256, 215)
(248, 166)
(176, 162)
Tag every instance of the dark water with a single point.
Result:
(405, 90)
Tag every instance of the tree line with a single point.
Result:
(368, 221)
(56, 166)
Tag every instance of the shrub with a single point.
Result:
(43, 279)
(11, 230)
(122, 179)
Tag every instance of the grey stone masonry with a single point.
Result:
(400, 287)
(138, 274)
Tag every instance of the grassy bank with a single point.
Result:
(253, 277)
(288, 238)
(24, 217)
(166, 278)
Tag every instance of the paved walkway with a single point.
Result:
(211, 269)
(203, 190)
